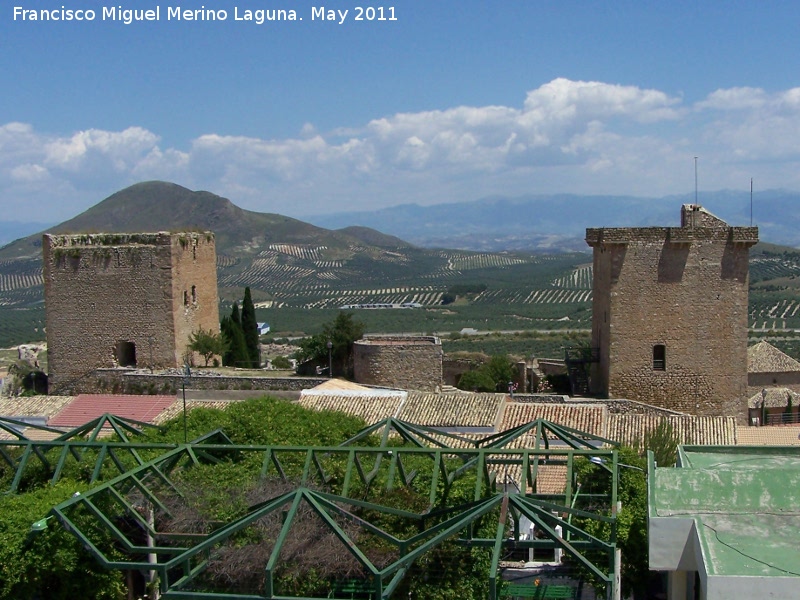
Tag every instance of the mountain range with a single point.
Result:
(553, 223)
(162, 206)
(532, 223)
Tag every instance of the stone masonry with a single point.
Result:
(411, 363)
(125, 300)
(670, 314)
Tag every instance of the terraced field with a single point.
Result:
(296, 276)
(766, 267)
(20, 282)
(523, 291)
(775, 291)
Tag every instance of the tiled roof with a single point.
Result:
(45, 406)
(39, 435)
(788, 435)
(550, 479)
(437, 410)
(763, 357)
(338, 384)
(87, 407)
(370, 408)
(32, 406)
(421, 408)
(691, 430)
(776, 398)
(448, 410)
(584, 417)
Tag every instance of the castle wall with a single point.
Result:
(605, 259)
(123, 381)
(685, 289)
(194, 288)
(114, 300)
(405, 363)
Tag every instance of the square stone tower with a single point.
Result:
(125, 300)
(670, 314)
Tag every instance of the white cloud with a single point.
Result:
(738, 98)
(18, 143)
(566, 136)
(563, 100)
(121, 150)
(752, 125)
(28, 173)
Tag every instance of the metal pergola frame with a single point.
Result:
(332, 482)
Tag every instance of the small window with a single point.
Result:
(185, 298)
(194, 294)
(125, 354)
(659, 357)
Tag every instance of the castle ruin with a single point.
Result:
(669, 320)
(125, 300)
(413, 363)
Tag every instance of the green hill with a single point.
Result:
(161, 206)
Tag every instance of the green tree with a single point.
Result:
(342, 333)
(663, 442)
(50, 564)
(446, 572)
(631, 518)
(492, 376)
(478, 380)
(231, 329)
(281, 362)
(501, 370)
(250, 330)
(208, 344)
(235, 316)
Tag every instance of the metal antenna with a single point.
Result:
(751, 202)
(695, 180)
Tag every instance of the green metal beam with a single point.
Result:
(424, 460)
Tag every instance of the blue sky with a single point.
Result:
(453, 101)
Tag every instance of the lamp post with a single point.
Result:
(330, 358)
(40, 525)
(187, 373)
(602, 461)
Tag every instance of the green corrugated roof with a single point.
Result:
(745, 502)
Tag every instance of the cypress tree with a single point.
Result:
(235, 315)
(231, 328)
(250, 329)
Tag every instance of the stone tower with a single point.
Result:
(125, 300)
(410, 363)
(670, 311)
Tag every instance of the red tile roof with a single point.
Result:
(87, 407)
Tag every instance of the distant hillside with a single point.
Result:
(285, 261)
(161, 206)
(373, 238)
(12, 230)
(553, 223)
